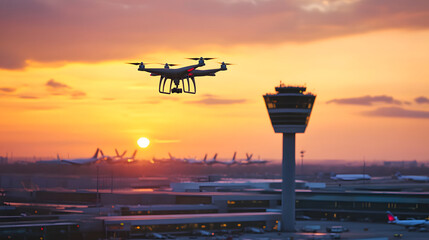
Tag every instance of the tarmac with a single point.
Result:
(357, 231)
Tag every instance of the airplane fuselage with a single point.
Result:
(351, 177)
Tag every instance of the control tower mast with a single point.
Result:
(289, 110)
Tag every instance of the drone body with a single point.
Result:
(185, 76)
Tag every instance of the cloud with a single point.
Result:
(56, 85)
(7, 90)
(90, 31)
(28, 97)
(421, 100)
(209, 99)
(366, 100)
(327, 6)
(397, 112)
(77, 94)
(58, 88)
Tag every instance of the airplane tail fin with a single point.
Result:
(134, 154)
(58, 157)
(101, 152)
(205, 158)
(391, 217)
(96, 153)
(215, 156)
(123, 154)
(171, 157)
(233, 157)
(398, 174)
(249, 156)
(117, 153)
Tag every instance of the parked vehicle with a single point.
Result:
(253, 230)
(199, 232)
(337, 229)
(311, 228)
(154, 235)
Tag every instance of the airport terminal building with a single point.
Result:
(223, 206)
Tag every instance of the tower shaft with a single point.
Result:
(288, 183)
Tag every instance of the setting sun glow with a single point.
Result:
(143, 142)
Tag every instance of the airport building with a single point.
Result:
(3, 160)
(140, 226)
(225, 207)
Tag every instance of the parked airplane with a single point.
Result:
(350, 177)
(249, 160)
(407, 223)
(81, 161)
(167, 160)
(109, 159)
(212, 161)
(119, 158)
(160, 160)
(175, 159)
(126, 159)
(195, 161)
(232, 162)
(415, 178)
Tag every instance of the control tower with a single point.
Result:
(289, 111)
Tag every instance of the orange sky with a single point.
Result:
(64, 87)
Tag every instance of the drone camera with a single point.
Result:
(223, 66)
(141, 66)
(176, 90)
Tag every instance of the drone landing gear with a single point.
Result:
(162, 82)
(188, 88)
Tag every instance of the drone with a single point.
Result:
(184, 76)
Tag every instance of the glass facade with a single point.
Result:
(40, 231)
(289, 102)
(289, 118)
(127, 212)
(216, 226)
(193, 199)
(248, 204)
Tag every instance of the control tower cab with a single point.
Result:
(289, 108)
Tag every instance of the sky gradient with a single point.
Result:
(64, 87)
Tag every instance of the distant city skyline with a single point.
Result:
(65, 87)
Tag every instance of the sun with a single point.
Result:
(143, 142)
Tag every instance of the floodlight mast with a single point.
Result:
(289, 110)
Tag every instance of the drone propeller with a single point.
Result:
(226, 63)
(171, 64)
(200, 58)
